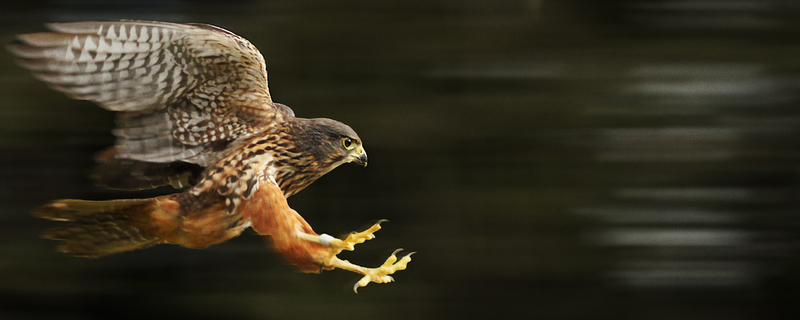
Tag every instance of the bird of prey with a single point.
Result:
(193, 111)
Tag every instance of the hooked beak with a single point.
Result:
(360, 156)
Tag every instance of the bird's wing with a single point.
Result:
(183, 92)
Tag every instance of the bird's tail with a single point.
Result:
(99, 228)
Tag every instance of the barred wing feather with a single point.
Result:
(183, 91)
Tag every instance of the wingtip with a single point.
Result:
(73, 27)
(52, 211)
(53, 25)
(14, 48)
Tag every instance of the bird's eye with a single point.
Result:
(348, 144)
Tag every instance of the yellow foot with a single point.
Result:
(378, 275)
(355, 238)
(382, 274)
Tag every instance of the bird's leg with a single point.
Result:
(336, 245)
(378, 275)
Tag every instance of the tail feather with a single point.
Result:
(99, 228)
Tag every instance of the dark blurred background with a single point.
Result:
(570, 159)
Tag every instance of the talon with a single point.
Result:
(382, 274)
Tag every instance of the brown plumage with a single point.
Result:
(194, 112)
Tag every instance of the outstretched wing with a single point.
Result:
(183, 92)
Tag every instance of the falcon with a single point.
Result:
(194, 112)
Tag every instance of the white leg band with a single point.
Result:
(326, 239)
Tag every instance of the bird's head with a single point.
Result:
(332, 142)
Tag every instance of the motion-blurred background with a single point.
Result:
(565, 159)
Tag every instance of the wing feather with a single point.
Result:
(183, 91)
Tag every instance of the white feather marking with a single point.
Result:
(130, 47)
(123, 64)
(89, 44)
(176, 77)
(122, 34)
(152, 59)
(102, 46)
(111, 34)
(69, 56)
(143, 34)
(90, 67)
(156, 34)
(107, 66)
(133, 36)
(85, 56)
(116, 47)
(128, 56)
(138, 63)
(100, 56)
